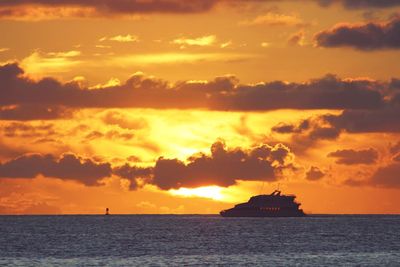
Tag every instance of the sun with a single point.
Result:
(212, 192)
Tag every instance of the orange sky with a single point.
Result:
(173, 106)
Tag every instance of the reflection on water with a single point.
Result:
(199, 240)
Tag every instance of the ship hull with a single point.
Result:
(256, 212)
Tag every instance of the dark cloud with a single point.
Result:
(395, 84)
(27, 130)
(387, 176)
(111, 135)
(115, 7)
(223, 167)
(308, 131)
(33, 112)
(94, 135)
(324, 133)
(355, 182)
(90, 8)
(133, 173)
(67, 167)
(296, 39)
(331, 126)
(314, 174)
(366, 121)
(357, 4)
(223, 93)
(367, 37)
(328, 92)
(285, 128)
(352, 157)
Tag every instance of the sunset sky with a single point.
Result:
(177, 106)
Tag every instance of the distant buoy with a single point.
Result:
(107, 211)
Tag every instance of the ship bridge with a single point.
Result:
(276, 199)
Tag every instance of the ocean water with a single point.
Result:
(166, 240)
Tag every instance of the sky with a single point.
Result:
(190, 107)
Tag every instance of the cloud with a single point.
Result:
(110, 135)
(53, 9)
(38, 13)
(314, 174)
(114, 117)
(265, 44)
(226, 44)
(366, 37)
(27, 130)
(200, 41)
(313, 129)
(49, 98)
(174, 58)
(297, 39)
(395, 84)
(33, 112)
(275, 19)
(11, 150)
(358, 4)
(394, 149)
(387, 176)
(223, 167)
(329, 126)
(94, 8)
(120, 38)
(307, 133)
(67, 167)
(353, 157)
(133, 173)
(328, 92)
(386, 120)
(49, 63)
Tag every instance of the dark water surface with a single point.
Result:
(141, 240)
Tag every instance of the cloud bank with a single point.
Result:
(24, 99)
(222, 167)
(366, 37)
(358, 4)
(353, 157)
(67, 167)
(53, 9)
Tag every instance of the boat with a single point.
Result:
(273, 205)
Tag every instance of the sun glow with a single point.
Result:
(212, 192)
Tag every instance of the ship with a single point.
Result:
(273, 205)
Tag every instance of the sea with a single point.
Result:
(199, 240)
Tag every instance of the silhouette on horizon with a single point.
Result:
(107, 211)
(273, 205)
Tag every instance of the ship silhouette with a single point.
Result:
(273, 205)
